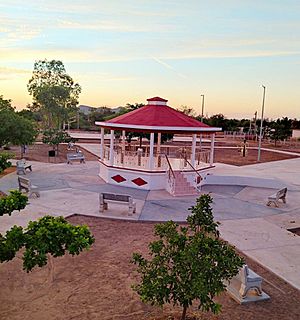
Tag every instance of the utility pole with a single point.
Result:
(261, 124)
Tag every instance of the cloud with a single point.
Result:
(9, 71)
(166, 65)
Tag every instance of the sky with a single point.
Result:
(125, 51)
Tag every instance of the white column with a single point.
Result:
(123, 146)
(151, 159)
(102, 144)
(194, 143)
(212, 147)
(111, 148)
(158, 142)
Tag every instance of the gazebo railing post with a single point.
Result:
(212, 149)
(151, 153)
(123, 146)
(111, 148)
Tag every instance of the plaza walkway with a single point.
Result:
(246, 222)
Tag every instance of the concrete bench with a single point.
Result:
(22, 165)
(75, 156)
(25, 184)
(246, 286)
(274, 198)
(104, 198)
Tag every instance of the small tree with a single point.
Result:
(14, 201)
(43, 239)
(187, 263)
(54, 137)
(4, 163)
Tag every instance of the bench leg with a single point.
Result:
(103, 207)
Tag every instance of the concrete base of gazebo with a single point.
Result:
(148, 180)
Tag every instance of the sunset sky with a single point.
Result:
(127, 51)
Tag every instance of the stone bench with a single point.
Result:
(25, 184)
(246, 286)
(22, 166)
(75, 156)
(274, 198)
(104, 198)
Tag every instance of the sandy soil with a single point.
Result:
(234, 157)
(97, 284)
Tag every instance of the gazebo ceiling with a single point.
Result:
(157, 116)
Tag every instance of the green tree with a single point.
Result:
(54, 92)
(5, 104)
(44, 239)
(54, 137)
(280, 130)
(187, 264)
(14, 201)
(14, 128)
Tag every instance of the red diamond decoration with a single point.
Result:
(139, 181)
(118, 178)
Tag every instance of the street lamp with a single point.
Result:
(202, 95)
(261, 124)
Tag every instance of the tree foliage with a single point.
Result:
(44, 238)
(14, 128)
(14, 201)
(54, 137)
(280, 129)
(187, 264)
(54, 92)
(4, 163)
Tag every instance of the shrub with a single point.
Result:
(4, 163)
(14, 201)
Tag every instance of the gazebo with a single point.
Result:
(155, 166)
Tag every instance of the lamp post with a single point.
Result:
(202, 95)
(202, 112)
(261, 123)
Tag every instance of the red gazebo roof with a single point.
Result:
(157, 116)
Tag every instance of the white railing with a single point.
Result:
(170, 187)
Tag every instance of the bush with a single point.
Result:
(4, 163)
(14, 201)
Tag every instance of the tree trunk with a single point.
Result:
(141, 138)
(51, 268)
(183, 315)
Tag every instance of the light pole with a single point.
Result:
(202, 95)
(261, 124)
(202, 112)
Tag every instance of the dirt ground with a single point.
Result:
(234, 157)
(97, 284)
(39, 152)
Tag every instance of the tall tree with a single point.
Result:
(54, 92)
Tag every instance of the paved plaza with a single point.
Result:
(246, 222)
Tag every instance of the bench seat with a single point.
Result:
(279, 195)
(75, 156)
(105, 198)
(31, 189)
(22, 166)
(246, 286)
